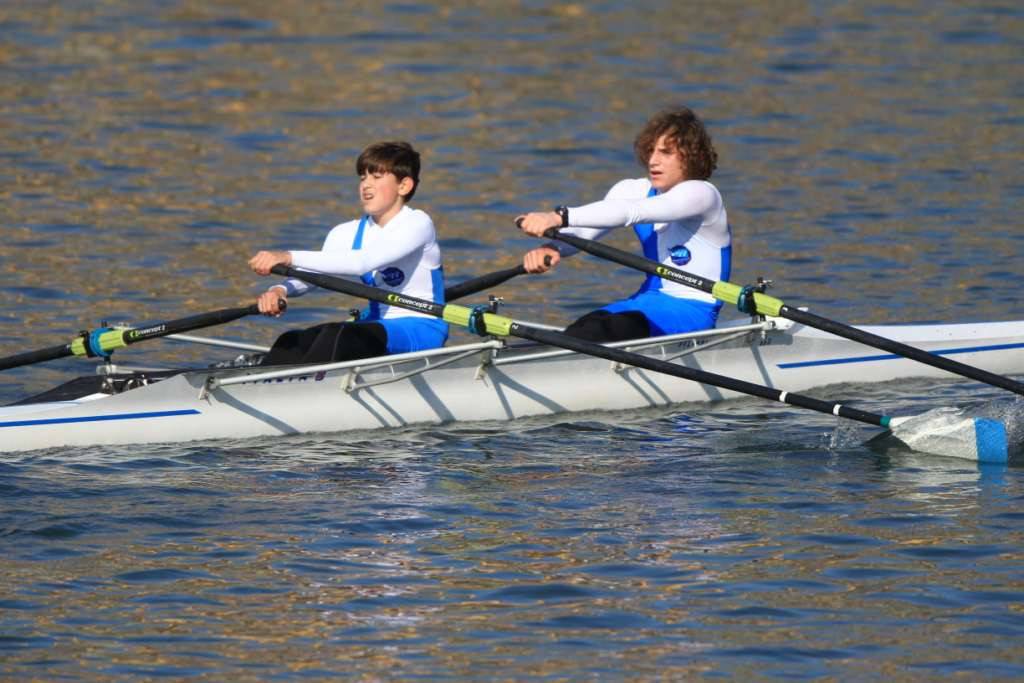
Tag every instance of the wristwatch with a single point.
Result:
(563, 211)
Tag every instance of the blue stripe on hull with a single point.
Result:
(98, 418)
(890, 356)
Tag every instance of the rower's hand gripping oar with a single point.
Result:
(975, 439)
(479, 284)
(767, 305)
(104, 340)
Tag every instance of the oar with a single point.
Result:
(972, 438)
(767, 305)
(481, 283)
(103, 340)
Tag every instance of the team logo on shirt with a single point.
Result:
(392, 276)
(680, 255)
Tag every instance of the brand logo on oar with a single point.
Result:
(396, 299)
(135, 334)
(680, 255)
(392, 276)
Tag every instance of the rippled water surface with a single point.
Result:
(870, 162)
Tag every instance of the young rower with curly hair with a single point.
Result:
(679, 218)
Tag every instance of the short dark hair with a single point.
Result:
(396, 157)
(686, 130)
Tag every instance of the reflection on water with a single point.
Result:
(654, 542)
(870, 162)
(469, 551)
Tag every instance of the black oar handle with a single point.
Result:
(782, 310)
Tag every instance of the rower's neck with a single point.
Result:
(382, 219)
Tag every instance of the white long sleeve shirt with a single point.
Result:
(690, 228)
(402, 257)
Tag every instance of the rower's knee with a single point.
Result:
(604, 326)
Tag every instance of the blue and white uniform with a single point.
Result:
(402, 257)
(686, 227)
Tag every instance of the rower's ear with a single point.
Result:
(405, 187)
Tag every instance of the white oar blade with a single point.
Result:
(946, 431)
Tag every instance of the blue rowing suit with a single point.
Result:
(405, 333)
(402, 257)
(687, 228)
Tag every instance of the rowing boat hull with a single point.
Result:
(487, 384)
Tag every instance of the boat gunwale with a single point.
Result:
(462, 350)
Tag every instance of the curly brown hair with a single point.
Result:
(396, 157)
(687, 131)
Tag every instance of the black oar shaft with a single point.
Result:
(702, 376)
(767, 305)
(481, 283)
(106, 340)
(899, 349)
(187, 324)
(38, 356)
(501, 326)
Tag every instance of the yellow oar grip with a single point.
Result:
(107, 341)
(730, 294)
(456, 315)
(78, 347)
(726, 291)
(768, 305)
(497, 325)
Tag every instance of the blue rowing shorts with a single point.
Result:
(414, 334)
(668, 314)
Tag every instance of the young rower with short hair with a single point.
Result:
(392, 246)
(677, 214)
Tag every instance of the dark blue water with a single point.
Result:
(870, 161)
